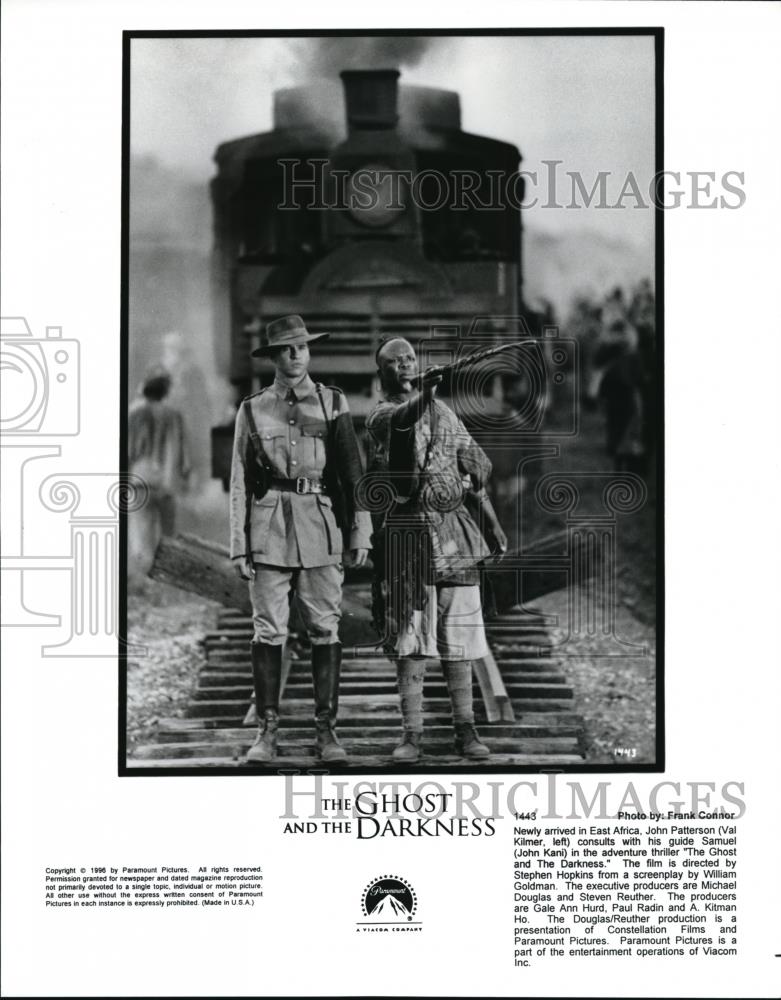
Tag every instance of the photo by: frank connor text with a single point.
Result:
(392, 435)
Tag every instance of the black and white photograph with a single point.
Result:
(389, 459)
(393, 340)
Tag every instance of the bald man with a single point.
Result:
(427, 546)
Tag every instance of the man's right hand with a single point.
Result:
(429, 381)
(412, 410)
(245, 569)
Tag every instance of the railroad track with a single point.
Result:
(523, 706)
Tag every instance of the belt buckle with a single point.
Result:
(302, 485)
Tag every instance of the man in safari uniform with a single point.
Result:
(295, 466)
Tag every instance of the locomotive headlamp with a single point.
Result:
(374, 195)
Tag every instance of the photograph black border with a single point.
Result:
(658, 766)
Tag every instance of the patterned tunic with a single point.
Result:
(430, 474)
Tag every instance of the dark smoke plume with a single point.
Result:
(330, 55)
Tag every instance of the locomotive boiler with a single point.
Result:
(358, 211)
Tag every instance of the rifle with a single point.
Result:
(461, 363)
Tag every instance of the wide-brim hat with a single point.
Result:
(284, 331)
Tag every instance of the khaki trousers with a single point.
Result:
(319, 594)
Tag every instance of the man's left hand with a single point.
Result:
(355, 558)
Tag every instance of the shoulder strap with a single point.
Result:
(253, 427)
(255, 438)
(328, 421)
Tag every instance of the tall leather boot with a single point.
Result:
(267, 677)
(326, 666)
(410, 675)
(458, 675)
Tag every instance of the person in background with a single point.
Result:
(192, 394)
(158, 455)
(621, 390)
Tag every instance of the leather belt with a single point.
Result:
(300, 485)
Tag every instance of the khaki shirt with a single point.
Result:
(290, 529)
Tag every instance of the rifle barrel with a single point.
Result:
(466, 362)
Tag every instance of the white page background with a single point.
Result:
(63, 803)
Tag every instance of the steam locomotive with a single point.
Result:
(308, 219)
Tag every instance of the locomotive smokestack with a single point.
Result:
(371, 98)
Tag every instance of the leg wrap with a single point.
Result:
(458, 675)
(410, 675)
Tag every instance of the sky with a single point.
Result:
(587, 101)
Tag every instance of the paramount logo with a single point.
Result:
(388, 905)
